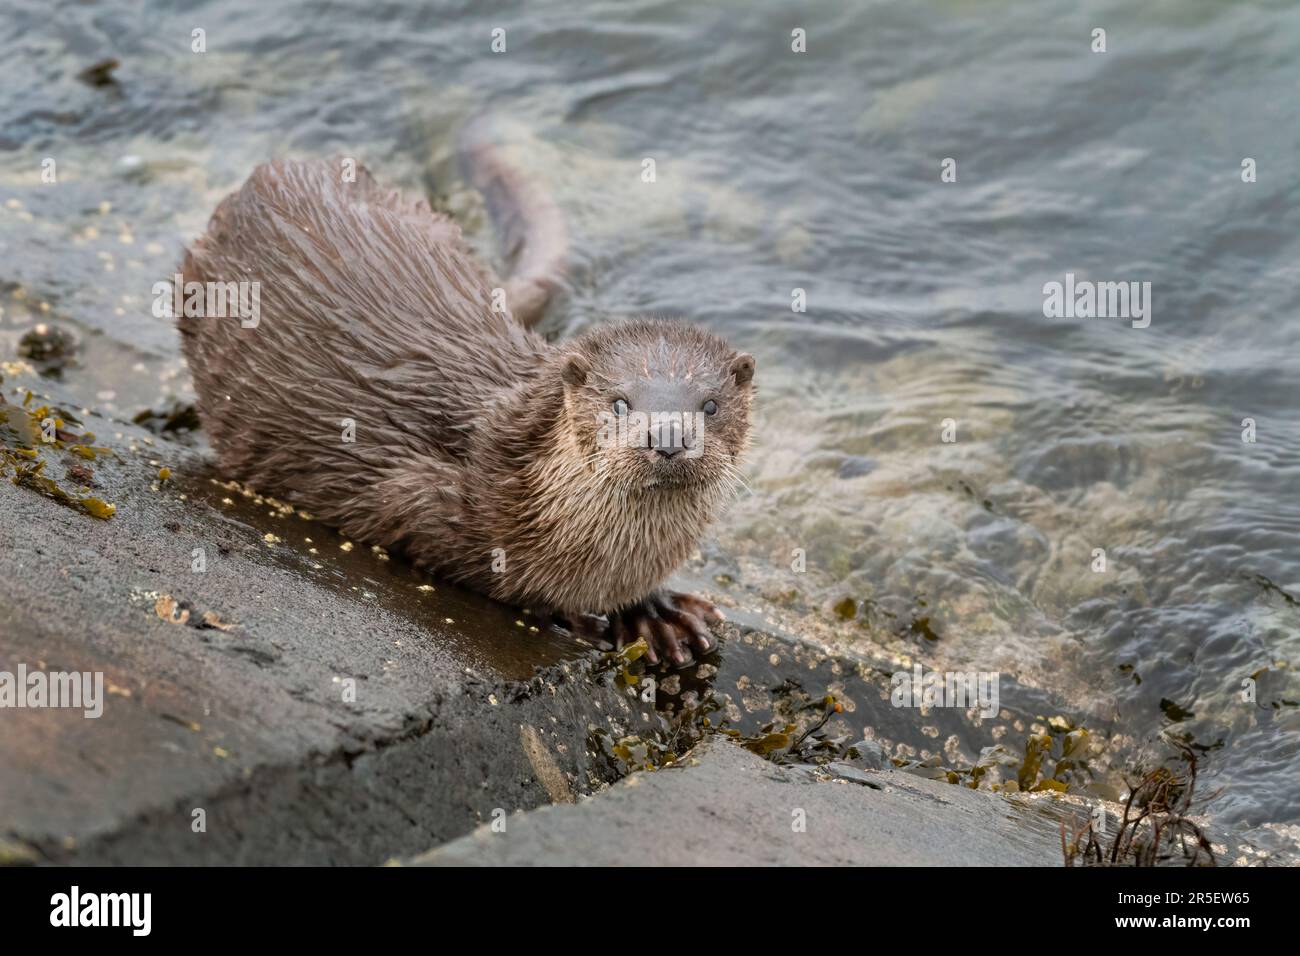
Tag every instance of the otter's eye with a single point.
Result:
(620, 407)
(710, 407)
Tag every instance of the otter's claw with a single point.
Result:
(586, 626)
(671, 624)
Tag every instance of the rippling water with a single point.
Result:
(818, 171)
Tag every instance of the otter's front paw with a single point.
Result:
(671, 623)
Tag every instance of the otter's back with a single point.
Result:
(372, 308)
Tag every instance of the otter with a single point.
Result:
(389, 388)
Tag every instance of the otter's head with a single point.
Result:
(656, 404)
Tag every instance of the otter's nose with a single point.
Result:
(666, 437)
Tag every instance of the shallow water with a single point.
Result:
(818, 171)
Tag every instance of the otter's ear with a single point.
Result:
(575, 371)
(742, 368)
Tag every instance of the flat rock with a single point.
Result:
(316, 708)
(275, 694)
(725, 806)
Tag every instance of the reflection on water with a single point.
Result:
(821, 172)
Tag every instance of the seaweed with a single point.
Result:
(100, 75)
(782, 741)
(631, 752)
(846, 609)
(1175, 713)
(21, 432)
(1154, 829)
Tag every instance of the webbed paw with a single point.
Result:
(672, 623)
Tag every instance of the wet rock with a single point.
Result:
(760, 814)
(256, 690)
(49, 348)
(312, 703)
(865, 755)
(176, 418)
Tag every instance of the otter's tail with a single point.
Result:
(529, 225)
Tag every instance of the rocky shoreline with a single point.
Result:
(275, 694)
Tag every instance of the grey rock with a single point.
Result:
(729, 807)
(865, 755)
(242, 714)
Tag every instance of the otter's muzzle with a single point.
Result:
(673, 434)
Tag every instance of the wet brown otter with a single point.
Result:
(380, 391)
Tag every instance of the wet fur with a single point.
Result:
(472, 433)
